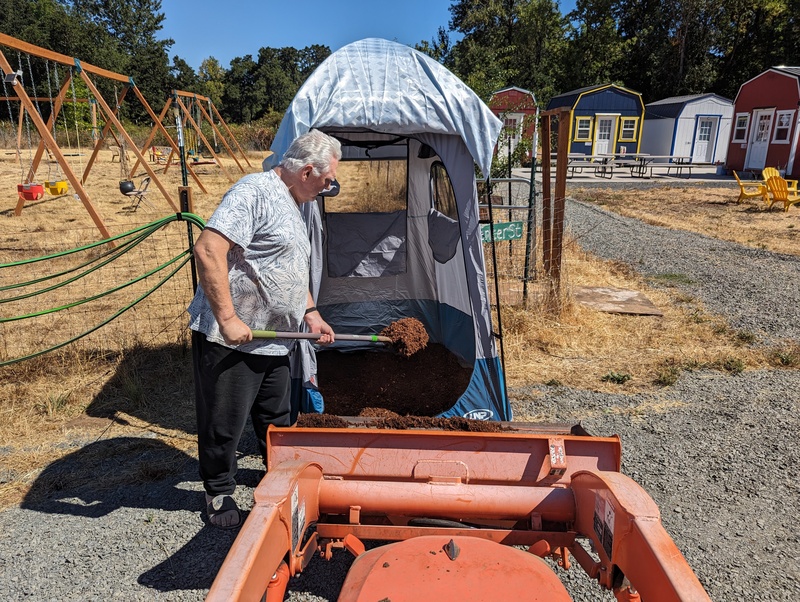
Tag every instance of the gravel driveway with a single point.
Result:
(718, 453)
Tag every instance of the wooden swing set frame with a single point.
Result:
(192, 100)
(45, 132)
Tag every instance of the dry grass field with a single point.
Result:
(707, 209)
(138, 384)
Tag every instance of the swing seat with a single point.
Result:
(126, 186)
(30, 192)
(57, 187)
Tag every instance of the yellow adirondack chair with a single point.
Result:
(769, 172)
(751, 191)
(780, 193)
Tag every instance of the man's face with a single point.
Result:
(311, 185)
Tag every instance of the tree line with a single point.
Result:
(659, 48)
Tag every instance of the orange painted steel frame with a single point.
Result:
(327, 489)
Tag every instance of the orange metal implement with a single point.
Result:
(454, 503)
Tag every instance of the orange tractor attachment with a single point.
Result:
(460, 516)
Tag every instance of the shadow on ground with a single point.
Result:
(153, 384)
(142, 473)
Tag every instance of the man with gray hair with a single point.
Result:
(253, 265)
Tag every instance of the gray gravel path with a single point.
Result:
(757, 291)
(717, 452)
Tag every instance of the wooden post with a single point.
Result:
(227, 129)
(562, 160)
(221, 137)
(159, 125)
(547, 220)
(99, 142)
(56, 109)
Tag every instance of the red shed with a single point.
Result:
(518, 110)
(765, 129)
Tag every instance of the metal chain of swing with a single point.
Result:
(213, 129)
(75, 114)
(16, 138)
(53, 119)
(63, 111)
(27, 127)
(124, 176)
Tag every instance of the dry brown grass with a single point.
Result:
(582, 347)
(140, 387)
(707, 209)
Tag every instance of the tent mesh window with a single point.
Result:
(444, 198)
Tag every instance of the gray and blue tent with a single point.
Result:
(386, 101)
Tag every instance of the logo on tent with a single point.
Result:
(479, 414)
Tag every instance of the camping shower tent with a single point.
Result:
(424, 257)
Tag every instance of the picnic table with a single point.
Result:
(641, 164)
(577, 162)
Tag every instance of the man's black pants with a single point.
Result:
(229, 386)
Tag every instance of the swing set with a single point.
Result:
(30, 114)
(194, 109)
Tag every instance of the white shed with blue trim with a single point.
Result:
(696, 126)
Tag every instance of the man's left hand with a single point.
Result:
(316, 324)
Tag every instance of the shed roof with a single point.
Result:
(789, 70)
(669, 108)
(568, 99)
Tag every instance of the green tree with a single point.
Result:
(595, 48)
(182, 75)
(505, 43)
(134, 23)
(212, 80)
(439, 48)
(240, 97)
(757, 34)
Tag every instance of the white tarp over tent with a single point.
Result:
(384, 100)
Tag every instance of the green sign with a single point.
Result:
(502, 231)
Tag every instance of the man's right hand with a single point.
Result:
(235, 332)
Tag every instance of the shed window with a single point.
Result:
(783, 127)
(740, 129)
(583, 129)
(628, 129)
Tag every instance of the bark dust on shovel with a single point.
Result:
(408, 336)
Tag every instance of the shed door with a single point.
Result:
(704, 137)
(759, 139)
(604, 137)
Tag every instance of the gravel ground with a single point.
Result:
(716, 452)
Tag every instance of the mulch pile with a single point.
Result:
(388, 420)
(400, 390)
(408, 336)
(426, 383)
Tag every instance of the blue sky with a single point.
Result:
(227, 29)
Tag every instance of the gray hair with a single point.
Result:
(313, 148)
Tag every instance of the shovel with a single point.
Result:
(274, 334)
(407, 336)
